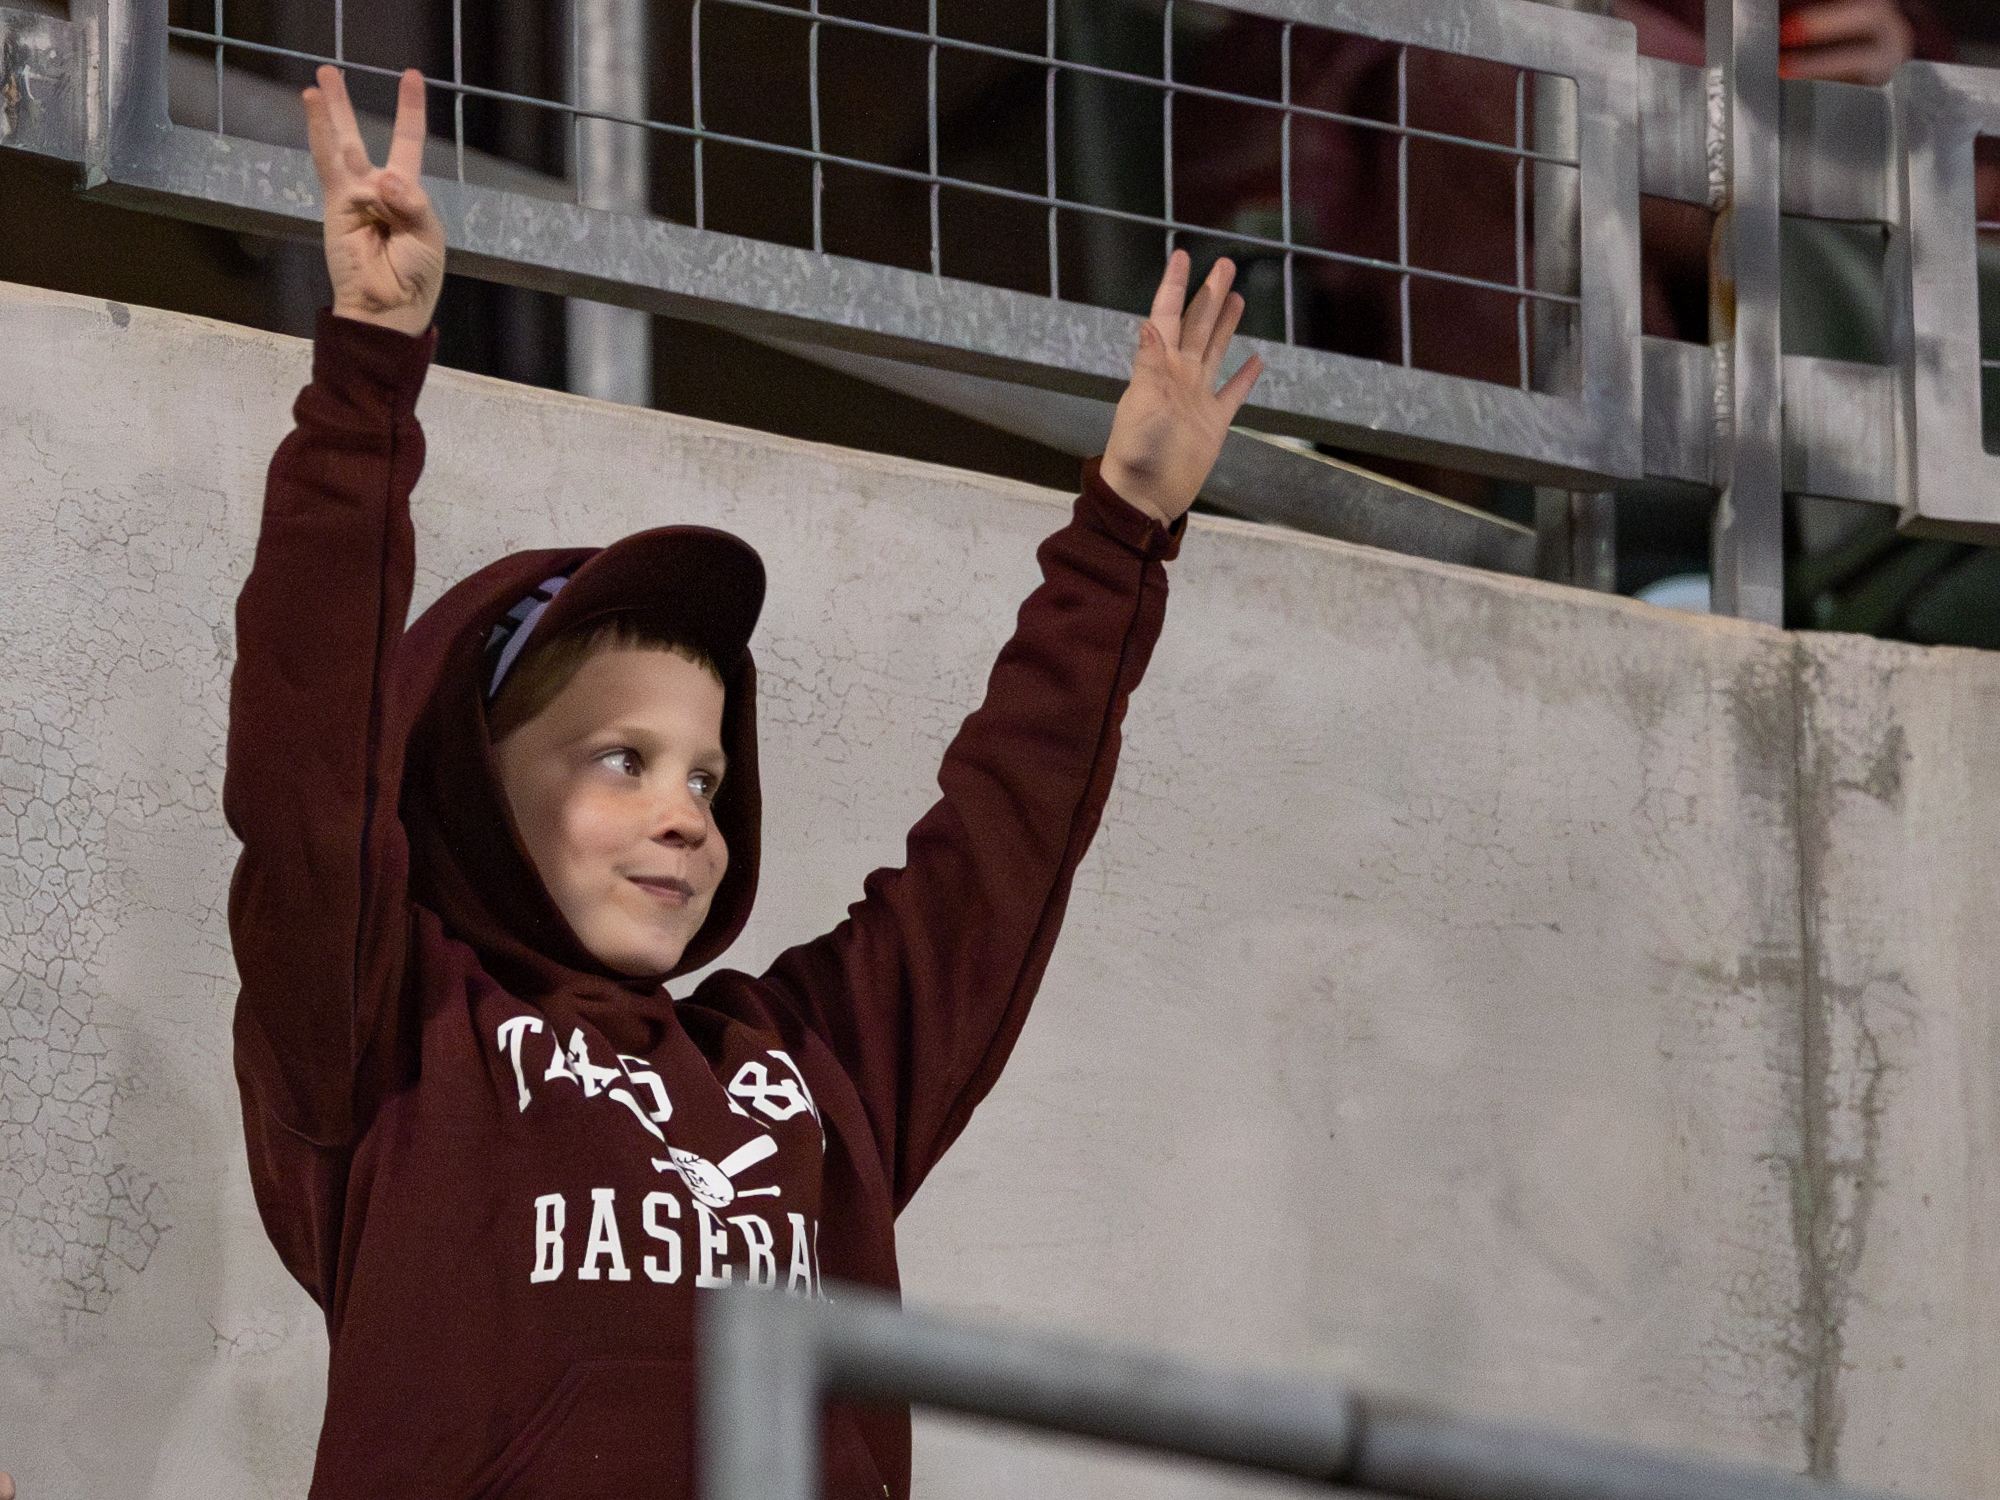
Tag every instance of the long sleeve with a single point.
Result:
(317, 908)
(922, 991)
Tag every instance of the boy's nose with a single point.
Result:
(681, 818)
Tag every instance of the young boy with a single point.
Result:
(484, 1137)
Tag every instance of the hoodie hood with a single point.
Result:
(467, 861)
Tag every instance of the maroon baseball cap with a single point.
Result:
(691, 583)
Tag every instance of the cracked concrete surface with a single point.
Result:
(83, 1218)
(1533, 1001)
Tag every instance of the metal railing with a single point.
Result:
(1589, 404)
(769, 1361)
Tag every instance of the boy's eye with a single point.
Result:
(704, 784)
(624, 762)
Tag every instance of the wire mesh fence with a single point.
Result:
(1020, 146)
(1435, 205)
(1987, 153)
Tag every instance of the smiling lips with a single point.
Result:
(670, 889)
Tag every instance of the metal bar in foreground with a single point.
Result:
(768, 1361)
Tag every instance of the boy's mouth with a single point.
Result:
(668, 888)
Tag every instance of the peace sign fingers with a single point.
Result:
(332, 131)
(384, 244)
(406, 146)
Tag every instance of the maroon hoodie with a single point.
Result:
(505, 1171)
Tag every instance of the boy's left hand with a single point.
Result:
(1171, 420)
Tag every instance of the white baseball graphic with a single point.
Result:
(710, 1183)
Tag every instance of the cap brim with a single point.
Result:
(693, 583)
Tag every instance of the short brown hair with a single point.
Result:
(546, 668)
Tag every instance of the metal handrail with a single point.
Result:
(768, 1361)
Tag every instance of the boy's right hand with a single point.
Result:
(384, 244)
(1171, 421)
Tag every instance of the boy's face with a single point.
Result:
(612, 786)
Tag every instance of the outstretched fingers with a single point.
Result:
(332, 132)
(1237, 390)
(322, 137)
(1172, 420)
(1171, 298)
(1220, 333)
(1199, 322)
(352, 152)
(406, 146)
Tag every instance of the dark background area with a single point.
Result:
(1974, 21)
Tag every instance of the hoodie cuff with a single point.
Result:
(1106, 512)
(368, 368)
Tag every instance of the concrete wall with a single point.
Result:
(1547, 1004)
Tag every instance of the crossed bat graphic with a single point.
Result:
(712, 1184)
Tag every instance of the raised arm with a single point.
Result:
(317, 913)
(923, 989)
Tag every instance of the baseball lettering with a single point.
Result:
(551, 1213)
(511, 1032)
(603, 1239)
(669, 1237)
(719, 1254)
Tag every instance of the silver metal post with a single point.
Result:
(1748, 562)
(931, 138)
(760, 1394)
(610, 348)
(1167, 119)
(458, 90)
(819, 166)
(1048, 144)
(1284, 176)
(1576, 528)
(1403, 202)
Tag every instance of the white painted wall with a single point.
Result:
(1535, 1001)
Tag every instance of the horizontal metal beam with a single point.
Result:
(1674, 132)
(1840, 438)
(777, 291)
(1839, 144)
(768, 1361)
(1256, 476)
(41, 85)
